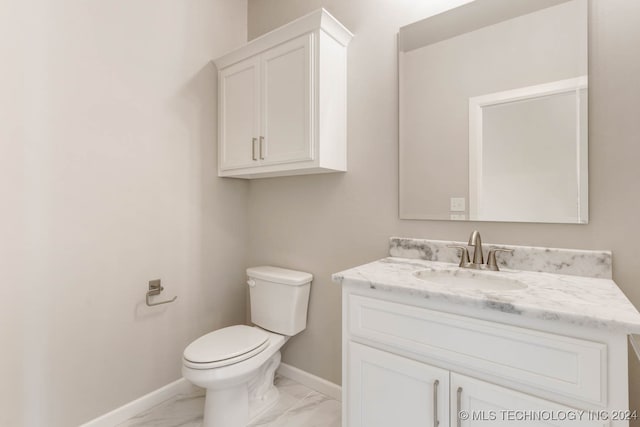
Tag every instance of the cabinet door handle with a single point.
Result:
(262, 148)
(253, 148)
(435, 403)
(458, 404)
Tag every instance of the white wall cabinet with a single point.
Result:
(410, 365)
(282, 101)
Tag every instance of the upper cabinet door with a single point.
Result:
(287, 102)
(239, 113)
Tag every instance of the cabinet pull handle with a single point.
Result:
(435, 403)
(458, 404)
(262, 148)
(253, 148)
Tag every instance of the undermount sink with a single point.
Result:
(459, 278)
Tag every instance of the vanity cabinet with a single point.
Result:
(408, 364)
(387, 389)
(282, 101)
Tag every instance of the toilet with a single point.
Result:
(236, 364)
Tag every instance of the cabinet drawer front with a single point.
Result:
(558, 364)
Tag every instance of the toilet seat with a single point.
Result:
(225, 346)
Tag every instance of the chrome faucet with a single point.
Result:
(477, 261)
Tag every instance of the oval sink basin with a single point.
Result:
(470, 279)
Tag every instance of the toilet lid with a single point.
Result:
(226, 343)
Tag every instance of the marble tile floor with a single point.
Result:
(297, 406)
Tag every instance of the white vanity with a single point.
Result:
(426, 343)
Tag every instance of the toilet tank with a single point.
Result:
(279, 298)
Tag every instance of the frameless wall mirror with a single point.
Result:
(493, 113)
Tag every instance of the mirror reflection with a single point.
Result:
(493, 113)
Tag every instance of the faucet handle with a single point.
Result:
(464, 255)
(492, 263)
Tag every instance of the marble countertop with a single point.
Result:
(585, 301)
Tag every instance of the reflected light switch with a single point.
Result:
(457, 204)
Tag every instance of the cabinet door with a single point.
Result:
(386, 390)
(476, 403)
(287, 102)
(239, 95)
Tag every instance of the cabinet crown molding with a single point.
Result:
(317, 20)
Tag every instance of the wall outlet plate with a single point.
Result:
(458, 204)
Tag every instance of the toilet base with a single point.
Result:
(226, 408)
(236, 406)
(263, 394)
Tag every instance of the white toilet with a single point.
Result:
(237, 364)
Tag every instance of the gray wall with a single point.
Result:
(325, 223)
(108, 180)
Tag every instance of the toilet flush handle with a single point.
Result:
(251, 283)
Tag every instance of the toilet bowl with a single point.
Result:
(236, 365)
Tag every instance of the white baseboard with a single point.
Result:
(142, 404)
(318, 384)
(148, 401)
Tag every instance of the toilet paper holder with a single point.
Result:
(155, 287)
